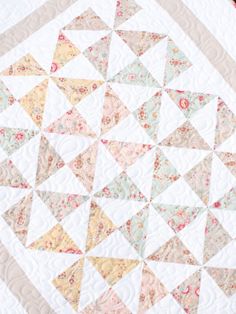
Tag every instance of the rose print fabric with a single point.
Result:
(118, 164)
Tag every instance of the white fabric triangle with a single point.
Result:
(141, 172)
(169, 303)
(128, 130)
(222, 180)
(121, 55)
(47, 41)
(158, 232)
(227, 220)
(169, 112)
(11, 196)
(144, 20)
(91, 104)
(209, 290)
(157, 53)
(69, 146)
(84, 38)
(51, 264)
(119, 211)
(165, 271)
(92, 285)
(184, 159)
(133, 96)
(10, 118)
(229, 145)
(122, 249)
(128, 292)
(179, 193)
(76, 224)
(51, 111)
(41, 220)
(204, 121)
(19, 86)
(193, 236)
(226, 257)
(101, 10)
(79, 68)
(106, 169)
(70, 183)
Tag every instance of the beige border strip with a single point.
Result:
(20, 285)
(31, 23)
(204, 40)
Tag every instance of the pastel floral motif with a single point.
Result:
(11, 139)
(6, 99)
(126, 153)
(148, 115)
(164, 174)
(65, 51)
(98, 54)
(199, 178)
(140, 42)
(76, 89)
(135, 230)
(11, 176)
(56, 240)
(229, 161)
(18, 217)
(176, 62)
(113, 110)
(48, 161)
(26, 65)
(173, 251)
(83, 166)
(226, 123)
(225, 279)
(187, 293)
(121, 188)
(189, 102)
(216, 237)
(185, 136)
(152, 290)
(228, 201)
(107, 303)
(113, 269)
(60, 204)
(124, 10)
(69, 283)
(71, 123)
(178, 217)
(99, 226)
(88, 20)
(34, 102)
(135, 74)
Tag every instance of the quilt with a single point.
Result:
(118, 158)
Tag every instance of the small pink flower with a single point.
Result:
(184, 103)
(217, 204)
(19, 136)
(54, 67)
(119, 13)
(131, 76)
(61, 37)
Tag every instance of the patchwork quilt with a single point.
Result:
(117, 167)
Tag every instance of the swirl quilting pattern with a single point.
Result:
(118, 176)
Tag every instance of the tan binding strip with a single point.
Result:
(20, 286)
(204, 40)
(31, 23)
